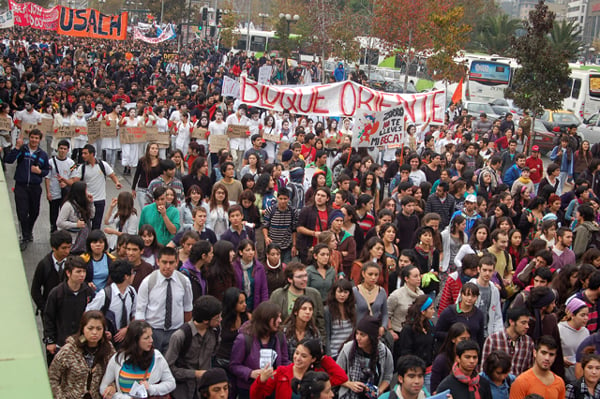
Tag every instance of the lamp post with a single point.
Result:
(263, 16)
(289, 19)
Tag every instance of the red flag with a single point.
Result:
(457, 96)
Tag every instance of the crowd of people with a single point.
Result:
(455, 263)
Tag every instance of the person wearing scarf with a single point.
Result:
(464, 382)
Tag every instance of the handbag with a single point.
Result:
(79, 246)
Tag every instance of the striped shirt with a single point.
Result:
(340, 331)
(280, 225)
(130, 374)
(521, 350)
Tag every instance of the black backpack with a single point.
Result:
(100, 163)
(187, 341)
(109, 315)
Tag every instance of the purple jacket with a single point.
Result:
(242, 362)
(261, 288)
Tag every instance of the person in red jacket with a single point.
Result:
(536, 166)
(308, 356)
(456, 280)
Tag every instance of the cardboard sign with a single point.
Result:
(168, 57)
(284, 145)
(132, 135)
(374, 129)
(217, 142)
(108, 131)
(91, 23)
(81, 130)
(154, 136)
(46, 126)
(64, 132)
(28, 127)
(93, 130)
(5, 124)
(271, 137)
(237, 131)
(199, 133)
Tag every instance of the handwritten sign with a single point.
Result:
(46, 126)
(64, 132)
(5, 124)
(281, 148)
(91, 23)
(94, 130)
(230, 88)
(271, 137)
(332, 142)
(154, 136)
(199, 133)
(28, 127)
(81, 130)
(108, 131)
(132, 135)
(237, 131)
(264, 74)
(218, 142)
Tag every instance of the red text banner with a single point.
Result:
(92, 23)
(30, 14)
(342, 99)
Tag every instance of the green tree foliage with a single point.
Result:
(541, 82)
(494, 34)
(564, 37)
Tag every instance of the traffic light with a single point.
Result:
(218, 18)
(205, 14)
(200, 27)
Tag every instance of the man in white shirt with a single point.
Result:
(56, 181)
(489, 295)
(28, 116)
(165, 299)
(94, 173)
(237, 146)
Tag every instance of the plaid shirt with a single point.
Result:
(520, 350)
(583, 389)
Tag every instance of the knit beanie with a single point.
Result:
(369, 325)
(334, 215)
(574, 305)
(212, 377)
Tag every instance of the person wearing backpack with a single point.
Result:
(117, 300)
(65, 306)
(587, 231)
(50, 270)
(94, 172)
(192, 347)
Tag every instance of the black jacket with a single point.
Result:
(45, 278)
(460, 390)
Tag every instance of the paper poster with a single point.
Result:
(64, 132)
(271, 137)
(132, 135)
(108, 131)
(94, 130)
(5, 124)
(217, 142)
(379, 129)
(237, 131)
(199, 133)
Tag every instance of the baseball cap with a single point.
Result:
(535, 148)
(471, 198)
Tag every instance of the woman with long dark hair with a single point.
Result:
(220, 273)
(340, 316)
(427, 257)
(453, 238)
(193, 199)
(217, 207)
(148, 169)
(76, 214)
(300, 324)
(78, 367)
(479, 241)
(122, 220)
(137, 362)
(372, 252)
(250, 275)
(371, 298)
(366, 360)
(321, 274)
(307, 358)
(151, 245)
(401, 299)
(234, 315)
(442, 364)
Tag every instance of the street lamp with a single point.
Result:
(263, 16)
(289, 19)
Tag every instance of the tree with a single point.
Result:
(448, 36)
(404, 25)
(565, 36)
(229, 21)
(541, 82)
(495, 33)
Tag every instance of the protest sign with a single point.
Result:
(28, 127)
(33, 15)
(199, 133)
(379, 129)
(108, 131)
(92, 23)
(154, 136)
(7, 20)
(237, 131)
(94, 129)
(217, 142)
(264, 74)
(281, 147)
(5, 124)
(64, 132)
(342, 99)
(271, 137)
(46, 126)
(132, 135)
(230, 88)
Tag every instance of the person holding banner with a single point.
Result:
(48, 116)
(112, 145)
(27, 117)
(216, 127)
(98, 114)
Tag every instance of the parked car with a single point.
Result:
(543, 137)
(590, 129)
(561, 118)
(501, 106)
(398, 87)
(475, 109)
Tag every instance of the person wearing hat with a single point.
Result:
(279, 227)
(214, 384)
(469, 212)
(536, 167)
(572, 333)
(368, 373)
(541, 304)
(346, 245)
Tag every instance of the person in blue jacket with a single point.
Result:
(32, 167)
(339, 74)
(514, 172)
(562, 155)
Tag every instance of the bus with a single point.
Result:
(584, 91)
(261, 41)
(488, 77)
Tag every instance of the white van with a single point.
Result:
(584, 93)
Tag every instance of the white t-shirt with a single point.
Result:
(64, 169)
(95, 179)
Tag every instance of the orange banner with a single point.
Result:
(92, 23)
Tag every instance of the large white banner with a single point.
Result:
(7, 20)
(167, 34)
(342, 99)
(383, 128)
(231, 87)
